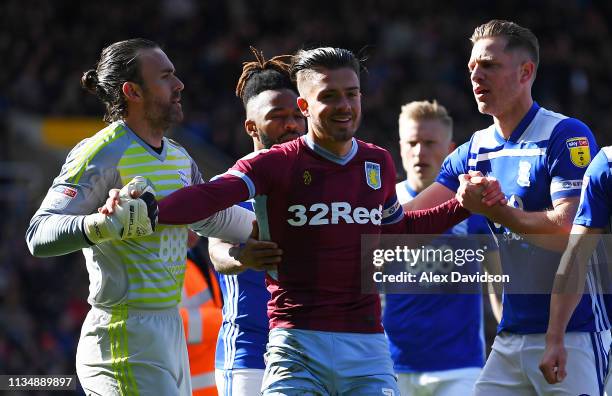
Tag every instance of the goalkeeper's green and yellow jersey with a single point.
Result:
(142, 273)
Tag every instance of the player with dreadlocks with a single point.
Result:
(270, 101)
(272, 116)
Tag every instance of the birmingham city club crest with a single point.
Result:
(523, 174)
(183, 177)
(372, 174)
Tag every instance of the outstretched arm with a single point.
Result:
(435, 220)
(440, 218)
(194, 203)
(534, 226)
(229, 223)
(433, 195)
(438, 193)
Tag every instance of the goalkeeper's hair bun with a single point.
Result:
(89, 81)
(118, 64)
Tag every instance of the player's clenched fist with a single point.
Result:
(554, 361)
(128, 213)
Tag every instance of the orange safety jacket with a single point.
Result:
(200, 309)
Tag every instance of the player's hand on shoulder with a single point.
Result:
(257, 255)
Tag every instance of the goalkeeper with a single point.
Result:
(132, 341)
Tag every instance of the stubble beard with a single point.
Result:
(161, 116)
(336, 134)
(345, 134)
(266, 141)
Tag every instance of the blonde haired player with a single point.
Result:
(436, 340)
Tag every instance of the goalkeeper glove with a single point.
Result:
(132, 217)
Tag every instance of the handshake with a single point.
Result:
(480, 194)
(129, 213)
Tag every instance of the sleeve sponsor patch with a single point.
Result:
(565, 185)
(59, 197)
(580, 153)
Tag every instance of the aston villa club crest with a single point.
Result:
(372, 175)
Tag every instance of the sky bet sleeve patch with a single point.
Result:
(579, 151)
(59, 197)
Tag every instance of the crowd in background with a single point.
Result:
(412, 51)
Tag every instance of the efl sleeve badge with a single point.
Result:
(580, 153)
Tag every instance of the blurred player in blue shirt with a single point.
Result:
(436, 340)
(539, 158)
(592, 218)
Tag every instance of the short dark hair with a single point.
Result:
(324, 57)
(262, 75)
(118, 64)
(516, 36)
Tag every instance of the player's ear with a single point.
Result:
(251, 128)
(303, 106)
(451, 147)
(131, 91)
(527, 71)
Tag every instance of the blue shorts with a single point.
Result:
(328, 363)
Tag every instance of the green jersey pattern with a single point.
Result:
(156, 263)
(143, 273)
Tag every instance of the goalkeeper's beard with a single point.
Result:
(161, 115)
